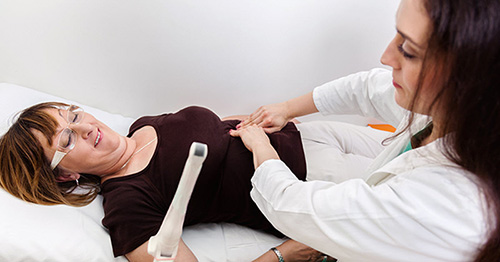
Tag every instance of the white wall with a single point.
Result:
(139, 57)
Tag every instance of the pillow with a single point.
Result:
(30, 232)
(16, 98)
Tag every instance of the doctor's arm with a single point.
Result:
(368, 94)
(257, 142)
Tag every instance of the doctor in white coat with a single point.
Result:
(420, 199)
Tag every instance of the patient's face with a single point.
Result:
(97, 147)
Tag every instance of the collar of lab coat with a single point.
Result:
(391, 162)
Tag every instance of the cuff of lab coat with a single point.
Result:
(317, 98)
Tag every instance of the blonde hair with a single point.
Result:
(25, 171)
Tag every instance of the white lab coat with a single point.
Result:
(417, 206)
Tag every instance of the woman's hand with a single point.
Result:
(271, 118)
(293, 251)
(256, 140)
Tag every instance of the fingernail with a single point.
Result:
(238, 126)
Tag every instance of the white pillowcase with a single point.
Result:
(30, 232)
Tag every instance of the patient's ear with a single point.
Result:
(65, 176)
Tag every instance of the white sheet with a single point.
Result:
(31, 232)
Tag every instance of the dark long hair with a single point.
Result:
(465, 43)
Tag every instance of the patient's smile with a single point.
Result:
(98, 137)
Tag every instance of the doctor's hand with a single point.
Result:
(271, 118)
(257, 141)
(252, 136)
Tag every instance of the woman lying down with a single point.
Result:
(53, 148)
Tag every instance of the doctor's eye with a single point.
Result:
(404, 53)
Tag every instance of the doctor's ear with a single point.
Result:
(65, 176)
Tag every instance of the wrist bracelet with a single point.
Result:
(278, 254)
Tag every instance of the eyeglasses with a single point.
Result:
(67, 138)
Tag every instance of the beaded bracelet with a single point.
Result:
(278, 254)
